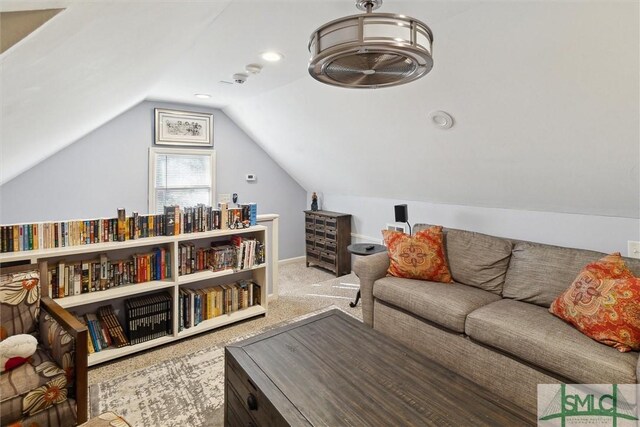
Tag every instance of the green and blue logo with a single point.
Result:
(587, 404)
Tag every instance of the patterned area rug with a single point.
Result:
(186, 391)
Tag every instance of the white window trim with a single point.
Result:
(154, 151)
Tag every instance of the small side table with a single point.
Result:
(364, 249)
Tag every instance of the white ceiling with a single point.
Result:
(544, 94)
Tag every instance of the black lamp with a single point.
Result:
(402, 215)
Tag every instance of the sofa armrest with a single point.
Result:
(369, 269)
(78, 333)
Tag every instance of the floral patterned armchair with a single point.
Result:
(51, 388)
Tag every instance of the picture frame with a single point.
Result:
(175, 127)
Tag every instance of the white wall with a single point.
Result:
(108, 169)
(600, 233)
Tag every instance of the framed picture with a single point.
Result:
(183, 128)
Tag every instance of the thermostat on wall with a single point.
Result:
(251, 177)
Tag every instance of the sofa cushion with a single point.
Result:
(538, 273)
(32, 387)
(446, 304)
(534, 335)
(476, 259)
(417, 257)
(603, 303)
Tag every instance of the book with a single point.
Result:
(122, 224)
(93, 331)
(77, 278)
(104, 272)
(224, 215)
(81, 319)
(170, 214)
(61, 279)
(115, 331)
(85, 277)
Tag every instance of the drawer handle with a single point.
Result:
(252, 402)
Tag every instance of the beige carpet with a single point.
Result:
(302, 290)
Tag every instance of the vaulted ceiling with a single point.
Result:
(544, 94)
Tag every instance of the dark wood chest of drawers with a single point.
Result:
(327, 236)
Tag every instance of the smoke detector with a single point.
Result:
(253, 68)
(370, 50)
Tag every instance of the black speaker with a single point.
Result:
(402, 214)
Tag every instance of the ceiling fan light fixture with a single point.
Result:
(370, 50)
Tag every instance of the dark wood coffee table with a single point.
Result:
(332, 370)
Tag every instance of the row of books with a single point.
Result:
(79, 277)
(148, 317)
(250, 252)
(175, 220)
(238, 253)
(205, 218)
(104, 330)
(26, 237)
(197, 305)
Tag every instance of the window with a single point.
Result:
(180, 177)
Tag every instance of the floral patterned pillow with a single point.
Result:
(418, 257)
(603, 302)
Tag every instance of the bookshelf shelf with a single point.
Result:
(113, 293)
(225, 319)
(203, 275)
(86, 249)
(169, 248)
(113, 353)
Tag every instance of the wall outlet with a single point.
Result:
(251, 177)
(633, 249)
(224, 198)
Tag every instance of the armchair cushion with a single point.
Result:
(32, 387)
(20, 302)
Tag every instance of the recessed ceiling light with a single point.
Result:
(202, 95)
(271, 56)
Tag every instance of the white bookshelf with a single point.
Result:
(89, 302)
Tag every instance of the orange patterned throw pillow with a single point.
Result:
(603, 302)
(417, 257)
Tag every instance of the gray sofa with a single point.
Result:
(492, 325)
